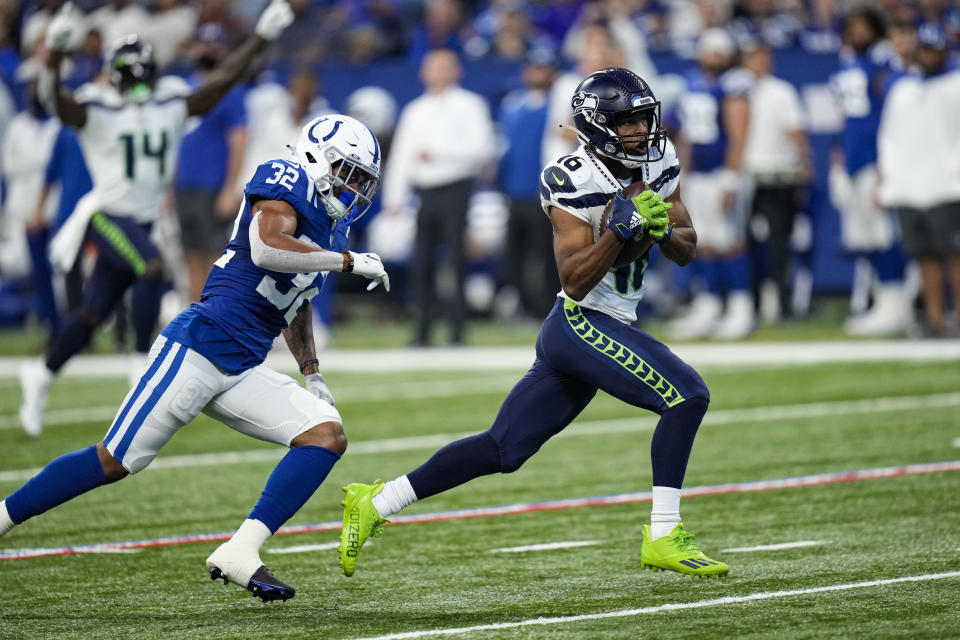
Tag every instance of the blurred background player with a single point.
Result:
(130, 131)
(442, 141)
(867, 71)
(209, 162)
(919, 166)
(602, 243)
(777, 160)
(714, 114)
(291, 231)
(528, 265)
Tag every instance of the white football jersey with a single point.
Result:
(131, 148)
(580, 184)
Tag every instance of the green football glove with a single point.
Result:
(649, 205)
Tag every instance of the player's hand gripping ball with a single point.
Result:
(647, 210)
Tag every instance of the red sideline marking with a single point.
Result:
(527, 507)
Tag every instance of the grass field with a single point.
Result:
(764, 423)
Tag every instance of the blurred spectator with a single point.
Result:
(598, 52)
(443, 140)
(529, 265)
(903, 39)
(919, 164)
(27, 145)
(208, 190)
(777, 157)
(35, 24)
(714, 116)
(867, 70)
(172, 23)
(9, 54)
(275, 115)
(87, 62)
(439, 29)
(317, 31)
(118, 18)
(690, 18)
(776, 23)
(222, 13)
(615, 17)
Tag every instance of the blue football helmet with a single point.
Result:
(609, 98)
(132, 68)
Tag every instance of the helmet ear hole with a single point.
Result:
(310, 158)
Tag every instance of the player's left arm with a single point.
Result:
(274, 19)
(681, 245)
(299, 338)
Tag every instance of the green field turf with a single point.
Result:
(422, 577)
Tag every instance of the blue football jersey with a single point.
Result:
(701, 118)
(244, 307)
(861, 86)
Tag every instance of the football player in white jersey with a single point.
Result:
(130, 131)
(610, 202)
(290, 232)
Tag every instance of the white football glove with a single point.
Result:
(370, 266)
(318, 387)
(275, 18)
(62, 29)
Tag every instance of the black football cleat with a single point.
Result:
(263, 584)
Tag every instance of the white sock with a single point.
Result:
(394, 496)
(5, 522)
(665, 513)
(252, 533)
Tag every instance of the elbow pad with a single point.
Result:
(284, 261)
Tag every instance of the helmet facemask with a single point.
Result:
(351, 189)
(644, 146)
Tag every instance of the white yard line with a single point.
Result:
(677, 606)
(775, 547)
(493, 358)
(304, 548)
(956, 442)
(583, 428)
(547, 546)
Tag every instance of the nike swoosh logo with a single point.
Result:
(558, 180)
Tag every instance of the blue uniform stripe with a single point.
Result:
(140, 387)
(151, 402)
(585, 201)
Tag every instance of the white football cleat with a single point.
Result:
(35, 380)
(230, 562)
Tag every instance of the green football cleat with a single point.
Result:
(677, 551)
(360, 521)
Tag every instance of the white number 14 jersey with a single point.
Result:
(579, 184)
(131, 148)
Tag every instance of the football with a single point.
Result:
(632, 250)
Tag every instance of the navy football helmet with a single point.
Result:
(610, 98)
(132, 68)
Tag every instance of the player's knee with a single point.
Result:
(328, 435)
(112, 469)
(511, 463)
(699, 390)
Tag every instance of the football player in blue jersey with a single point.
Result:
(714, 114)
(610, 202)
(291, 231)
(868, 69)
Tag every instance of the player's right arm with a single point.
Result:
(58, 99)
(581, 262)
(274, 247)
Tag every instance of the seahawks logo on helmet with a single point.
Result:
(585, 103)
